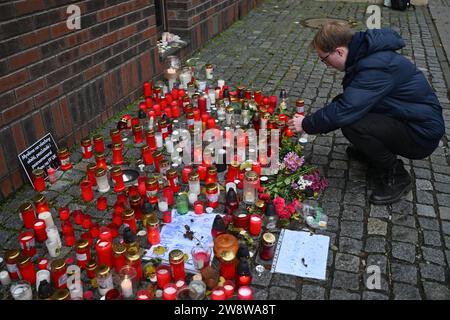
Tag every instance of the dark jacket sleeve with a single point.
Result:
(365, 91)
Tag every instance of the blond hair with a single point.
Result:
(332, 35)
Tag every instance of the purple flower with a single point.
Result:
(292, 161)
(318, 183)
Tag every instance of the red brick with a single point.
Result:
(70, 140)
(60, 29)
(58, 121)
(3, 165)
(30, 89)
(25, 58)
(6, 187)
(65, 113)
(19, 137)
(94, 71)
(38, 125)
(124, 78)
(78, 135)
(27, 6)
(13, 80)
(17, 111)
(17, 179)
(47, 96)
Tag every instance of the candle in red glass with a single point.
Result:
(175, 110)
(115, 136)
(185, 173)
(143, 295)
(233, 172)
(38, 180)
(170, 292)
(117, 219)
(90, 172)
(256, 166)
(197, 114)
(218, 293)
(87, 222)
(122, 199)
(167, 216)
(202, 104)
(82, 252)
(26, 269)
(267, 246)
(148, 103)
(244, 277)
(163, 276)
(104, 253)
(117, 157)
(255, 224)
(212, 193)
(176, 259)
(128, 219)
(59, 277)
(147, 89)
(153, 234)
(86, 191)
(64, 159)
(258, 96)
(169, 195)
(117, 176)
(211, 175)
(86, 147)
(27, 243)
(77, 217)
(151, 140)
(157, 109)
(245, 293)
(198, 207)
(138, 134)
(157, 157)
(164, 128)
(119, 256)
(40, 204)
(102, 203)
(135, 204)
(241, 220)
(39, 230)
(67, 227)
(105, 234)
(228, 265)
(69, 239)
(211, 123)
(228, 286)
(99, 143)
(172, 176)
(27, 214)
(43, 264)
(152, 187)
(94, 230)
(201, 169)
(100, 161)
(133, 259)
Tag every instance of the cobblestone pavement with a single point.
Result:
(409, 241)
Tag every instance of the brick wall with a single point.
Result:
(68, 82)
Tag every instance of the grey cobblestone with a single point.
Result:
(352, 213)
(346, 280)
(376, 226)
(349, 245)
(369, 295)
(344, 295)
(404, 234)
(352, 229)
(432, 272)
(444, 213)
(426, 211)
(312, 292)
(277, 293)
(403, 220)
(435, 291)
(347, 262)
(432, 238)
(405, 292)
(404, 273)
(404, 251)
(433, 255)
(283, 280)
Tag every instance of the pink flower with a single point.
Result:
(284, 214)
(279, 204)
(264, 196)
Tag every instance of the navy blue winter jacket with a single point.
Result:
(379, 80)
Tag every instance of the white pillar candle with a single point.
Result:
(103, 183)
(40, 276)
(169, 145)
(4, 278)
(53, 234)
(74, 282)
(127, 288)
(53, 248)
(21, 291)
(163, 206)
(212, 96)
(220, 83)
(192, 197)
(47, 217)
(159, 140)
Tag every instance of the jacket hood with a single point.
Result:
(366, 43)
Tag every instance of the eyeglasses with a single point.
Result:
(324, 59)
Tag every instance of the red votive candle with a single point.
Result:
(117, 157)
(211, 123)
(94, 230)
(102, 203)
(255, 225)
(39, 230)
(86, 147)
(42, 264)
(138, 134)
(27, 214)
(201, 172)
(105, 234)
(198, 207)
(99, 143)
(170, 292)
(87, 222)
(27, 243)
(218, 293)
(167, 216)
(185, 173)
(86, 191)
(77, 217)
(163, 276)
(143, 295)
(104, 253)
(245, 293)
(229, 286)
(38, 179)
(147, 89)
(175, 109)
(157, 109)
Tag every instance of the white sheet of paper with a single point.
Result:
(293, 246)
(172, 236)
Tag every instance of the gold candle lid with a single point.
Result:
(171, 173)
(211, 170)
(128, 213)
(38, 172)
(152, 220)
(229, 109)
(23, 260)
(116, 171)
(100, 155)
(85, 141)
(150, 132)
(299, 102)
(82, 244)
(39, 198)
(227, 256)
(208, 65)
(157, 154)
(63, 151)
(58, 264)
(176, 256)
(91, 265)
(60, 294)
(12, 254)
(25, 206)
(135, 199)
(117, 146)
(97, 137)
(132, 254)
(269, 238)
(259, 203)
(100, 172)
(145, 148)
(193, 176)
(151, 181)
(137, 128)
(102, 270)
(119, 248)
(211, 187)
(266, 116)
(91, 167)
(162, 122)
(163, 163)
(251, 176)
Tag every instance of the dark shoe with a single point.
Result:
(356, 154)
(394, 183)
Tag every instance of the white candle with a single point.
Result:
(163, 206)
(4, 278)
(159, 140)
(220, 83)
(47, 217)
(40, 276)
(212, 96)
(169, 145)
(192, 197)
(21, 291)
(127, 288)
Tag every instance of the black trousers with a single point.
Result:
(382, 138)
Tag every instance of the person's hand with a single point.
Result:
(296, 123)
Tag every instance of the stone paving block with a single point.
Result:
(277, 293)
(375, 245)
(446, 227)
(442, 187)
(433, 255)
(423, 185)
(443, 199)
(63, 201)
(404, 234)
(404, 273)
(406, 292)
(332, 195)
(429, 224)
(347, 262)
(336, 294)
(352, 213)
(403, 220)
(349, 245)
(352, 229)
(379, 211)
(312, 292)
(376, 226)
(444, 213)
(263, 279)
(404, 251)
(422, 173)
(425, 197)
(432, 238)
(331, 209)
(432, 272)
(259, 294)
(346, 280)
(284, 280)
(426, 211)
(370, 295)
(403, 207)
(436, 291)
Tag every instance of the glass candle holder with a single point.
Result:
(47, 217)
(104, 253)
(128, 282)
(138, 134)
(90, 172)
(198, 207)
(115, 136)
(51, 173)
(201, 256)
(26, 269)
(250, 187)
(102, 203)
(119, 259)
(58, 273)
(245, 293)
(150, 139)
(255, 225)
(38, 179)
(21, 290)
(82, 252)
(39, 230)
(212, 193)
(40, 203)
(229, 288)
(159, 140)
(157, 158)
(194, 183)
(163, 276)
(100, 160)
(133, 259)
(147, 156)
(129, 219)
(211, 175)
(167, 216)
(227, 265)
(117, 176)
(87, 221)
(27, 243)
(104, 279)
(99, 143)
(153, 233)
(170, 292)
(192, 197)
(267, 246)
(152, 188)
(64, 159)
(27, 214)
(176, 259)
(86, 147)
(218, 293)
(86, 191)
(186, 172)
(102, 180)
(117, 156)
(182, 203)
(164, 166)
(172, 177)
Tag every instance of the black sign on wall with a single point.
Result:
(41, 155)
